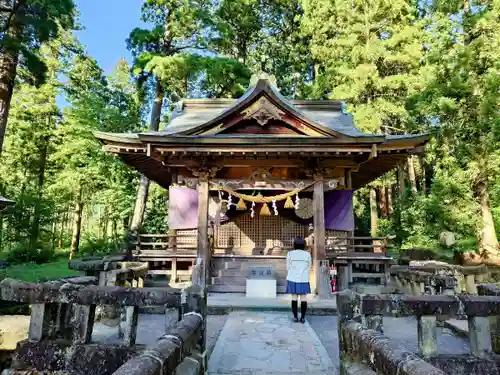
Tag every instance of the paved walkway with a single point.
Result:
(267, 343)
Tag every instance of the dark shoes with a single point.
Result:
(303, 309)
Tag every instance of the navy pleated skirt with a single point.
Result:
(297, 288)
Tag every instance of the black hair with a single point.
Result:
(299, 243)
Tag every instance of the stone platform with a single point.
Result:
(224, 303)
(261, 343)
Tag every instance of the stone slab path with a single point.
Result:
(265, 343)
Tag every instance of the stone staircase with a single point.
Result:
(230, 274)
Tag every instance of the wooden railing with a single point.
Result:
(363, 343)
(176, 243)
(62, 320)
(357, 244)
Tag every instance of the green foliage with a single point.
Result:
(51, 154)
(29, 24)
(31, 272)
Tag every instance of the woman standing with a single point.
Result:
(298, 263)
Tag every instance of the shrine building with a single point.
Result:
(246, 176)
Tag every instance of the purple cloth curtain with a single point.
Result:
(183, 209)
(339, 213)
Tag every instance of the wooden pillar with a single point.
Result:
(319, 230)
(348, 183)
(203, 254)
(203, 257)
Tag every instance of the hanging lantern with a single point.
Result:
(264, 211)
(289, 203)
(241, 206)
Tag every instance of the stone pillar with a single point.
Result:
(43, 321)
(470, 284)
(479, 336)
(319, 229)
(131, 320)
(324, 287)
(343, 278)
(83, 323)
(427, 335)
(374, 322)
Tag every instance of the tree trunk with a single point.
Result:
(401, 180)
(390, 208)
(383, 201)
(424, 176)
(77, 224)
(411, 174)
(140, 204)
(42, 163)
(8, 67)
(373, 213)
(143, 189)
(64, 219)
(488, 238)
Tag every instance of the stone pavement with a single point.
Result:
(265, 343)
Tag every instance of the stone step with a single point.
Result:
(232, 265)
(240, 281)
(225, 288)
(243, 273)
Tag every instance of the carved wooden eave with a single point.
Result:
(267, 184)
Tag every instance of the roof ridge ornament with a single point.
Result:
(262, 111)
(265, 77)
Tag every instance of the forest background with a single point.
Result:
(402, 66)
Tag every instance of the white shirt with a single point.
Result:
(298, 263)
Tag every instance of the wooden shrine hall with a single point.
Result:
(247, 176)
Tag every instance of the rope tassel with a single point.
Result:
(241, 206)
(289, 203)
(264, 211)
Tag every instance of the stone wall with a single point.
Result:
(362, 340)
(63, 315)
(430, 277)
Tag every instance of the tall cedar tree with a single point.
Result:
(464, 99)
(24, 26)
(176, 28)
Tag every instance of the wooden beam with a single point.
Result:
(275, 147)
(253, 161)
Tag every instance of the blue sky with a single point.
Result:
(107, 23)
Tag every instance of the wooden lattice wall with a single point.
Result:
(246, 235)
